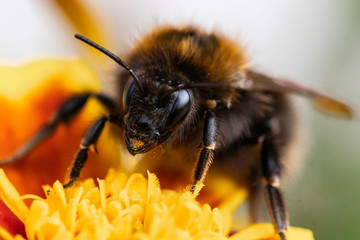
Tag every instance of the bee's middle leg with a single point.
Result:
(207, 152)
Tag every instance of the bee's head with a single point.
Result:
(151, 115)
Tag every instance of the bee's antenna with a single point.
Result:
(114, 57)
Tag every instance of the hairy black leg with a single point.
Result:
(66, 112)
(271, 171)
(207, 152)
(90, 139)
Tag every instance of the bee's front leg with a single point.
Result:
(90, 139)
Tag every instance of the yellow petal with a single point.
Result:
(265, 231)
(12, 198)
(38, 214)
(5, 235)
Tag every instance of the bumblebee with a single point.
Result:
(190, 97)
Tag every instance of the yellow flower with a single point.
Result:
(121, 207)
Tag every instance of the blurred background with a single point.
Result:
(313, 42)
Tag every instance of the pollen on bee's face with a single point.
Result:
(137, 144)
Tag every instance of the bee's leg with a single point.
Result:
(207, 152)
(271, 176)
(90, 139)
(66, 112)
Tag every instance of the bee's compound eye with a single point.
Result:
(180, 109)
(128, 92)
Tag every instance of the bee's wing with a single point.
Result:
(260, 82)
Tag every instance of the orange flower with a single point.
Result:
(29, 96)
